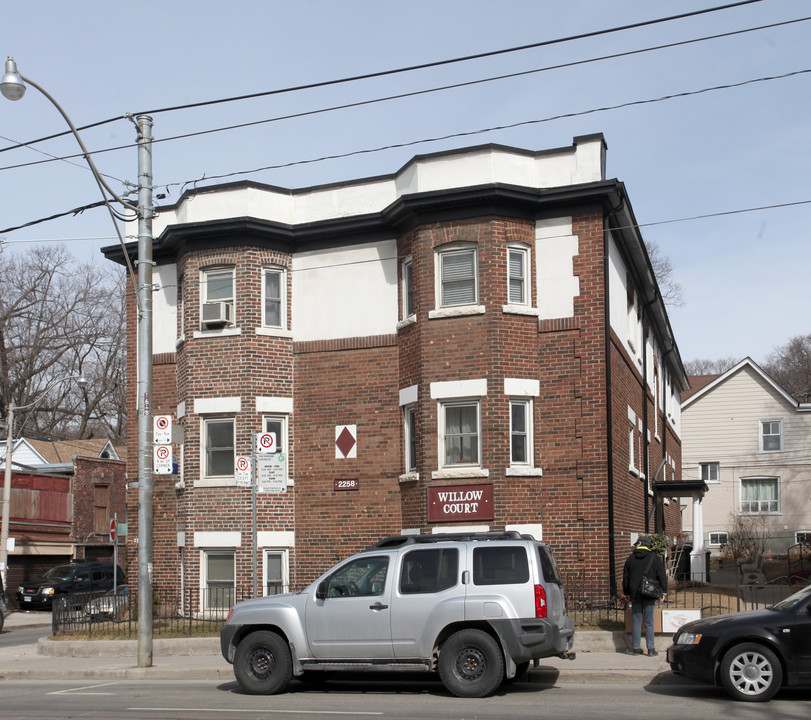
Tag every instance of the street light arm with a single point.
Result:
(96, 174)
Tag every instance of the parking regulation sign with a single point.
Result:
(162, 460)
(162, 430)
(242, 473)
(266, 442)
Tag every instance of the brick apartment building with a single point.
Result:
(475, 341)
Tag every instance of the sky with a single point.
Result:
(704, 170)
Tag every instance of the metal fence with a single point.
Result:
(174, 614)
(593, 606)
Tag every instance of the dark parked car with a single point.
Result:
(86, 577)
(752, 654)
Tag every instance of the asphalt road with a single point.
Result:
(388, 700)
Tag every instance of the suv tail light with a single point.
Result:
(540, 602)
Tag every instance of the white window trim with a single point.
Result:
(800, 532)
(282, 272)
(632, 442)
(473, 308)
(701, 473)
(411, 472)
(284, 441)
(204, 553)
(710, 543)
(776, 479)
(285, 556)
(528, 467)
(214, 480)
(523, 250)
(406, 291)
(760, 435)
(442, 405)
(232, 326)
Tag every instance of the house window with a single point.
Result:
(460, 433)
(711, 472)
(277, 424)
(274, 294)
(520, 432)
(759, 496)
(802, 537)
(217, 296)
(410, 437)
(517, 281)
(220, 579)
(458, 274)
(408, 288)
(218, 439)
(101, 509)
(717, 539)
(632, 441)
(771, 435)
(276, 572)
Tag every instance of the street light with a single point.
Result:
(12, 86)
(81, 381)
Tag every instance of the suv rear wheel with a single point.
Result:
(470, 664)
(262, 663)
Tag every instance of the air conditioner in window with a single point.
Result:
(216, 314)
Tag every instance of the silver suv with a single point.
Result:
(476, 607)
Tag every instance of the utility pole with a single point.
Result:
(144, 390)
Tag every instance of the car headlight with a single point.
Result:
(688, 638)
(47, 591)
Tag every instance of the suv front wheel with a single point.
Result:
(262, 663)
(470, 664)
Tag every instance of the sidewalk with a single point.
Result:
(600, 658)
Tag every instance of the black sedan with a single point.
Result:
(752, 654)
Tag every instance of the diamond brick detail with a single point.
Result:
(345, 442)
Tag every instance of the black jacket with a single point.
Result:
(634, 569)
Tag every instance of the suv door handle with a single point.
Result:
(378, 606)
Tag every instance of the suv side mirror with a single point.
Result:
(321, 590)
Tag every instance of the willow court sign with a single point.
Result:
(451, 503)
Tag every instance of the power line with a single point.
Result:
(411, 68)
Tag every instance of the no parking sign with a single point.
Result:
(266, 442)
(162, 460)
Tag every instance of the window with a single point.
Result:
(274, 295)
(458, 274)
(277, 424)
(217, 296)
(710, 472)
(771, 435)
(717, 539)
(759, 495)
(408, 288)
(460, 430)
(276, 572)
(410, 437)
(517, 285)
(364, 576)
(219, 579)
(500, 565)
(520, 432)
(429, 571)
(802, 537)
(218, 438)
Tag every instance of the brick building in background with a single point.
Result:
(476, 341)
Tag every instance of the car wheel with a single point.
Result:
(262, 663)
(470, 664)
(751, 672)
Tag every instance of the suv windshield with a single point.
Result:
(62, 572)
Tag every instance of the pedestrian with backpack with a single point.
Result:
(644, 581)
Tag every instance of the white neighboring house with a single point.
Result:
(750, 442)
(35, 454)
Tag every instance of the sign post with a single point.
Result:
(113, 539)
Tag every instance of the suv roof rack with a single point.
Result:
(400, 540)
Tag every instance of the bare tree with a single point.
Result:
(58, 319)
(705, 366)
(790, 366)
(747, 537)
(672, 292)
